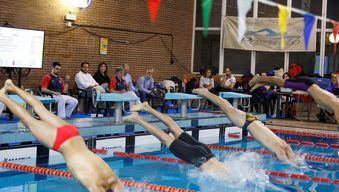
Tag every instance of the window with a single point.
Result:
(269, 11)
(206, 50)
(307, 59)
(215, 17)
(332, 11)
(238, 60)
(266, 61)
(313, 7)
(232, 9)
(331, 63)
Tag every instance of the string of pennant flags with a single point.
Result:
(244, 6)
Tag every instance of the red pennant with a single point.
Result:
(335, 31)
(153, 7)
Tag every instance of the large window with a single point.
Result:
(267, 61)
(307, 60)
(269, 11)
(206, 50)
(215, 17)
(331, 63)
(313, 7)
(238, 60)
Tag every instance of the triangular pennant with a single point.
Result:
(243, 7)
(283, 14)
(308, 26)
(335, 31)
(206, 6)
(153, 7)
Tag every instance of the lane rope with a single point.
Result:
(66, 174)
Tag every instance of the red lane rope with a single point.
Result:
(66, 174)
(306, 133)
(265, 152)
(268, 172)
(307, 143)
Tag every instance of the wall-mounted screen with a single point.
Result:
(21, 48)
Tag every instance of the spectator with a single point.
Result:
(207, 81)
(54, 85)
(335, 83)
(146, 85)
(2, 107)
(128, 78)
(86, 82)
(227, 80)
(119, 85)
(101, 76)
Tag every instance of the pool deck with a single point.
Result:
(293, 124)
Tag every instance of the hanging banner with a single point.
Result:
(263, 35)
(103, 46)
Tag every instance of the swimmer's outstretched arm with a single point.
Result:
(257, 129)
(258, 81)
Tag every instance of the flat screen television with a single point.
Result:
(21, 48)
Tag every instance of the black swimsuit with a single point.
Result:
(190, 150)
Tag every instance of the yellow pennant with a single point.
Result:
(283, 14)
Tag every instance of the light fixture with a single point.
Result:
(331, 38)
(79, 3)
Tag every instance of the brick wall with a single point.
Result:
(73, 47)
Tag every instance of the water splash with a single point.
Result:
(245, 174)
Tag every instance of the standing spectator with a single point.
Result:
(54, 85)
(207, 81)
(119, 85)
(128, 78)
(101, 76)
(228, 80)
(86, 82)
(335, 83)
(146, 85)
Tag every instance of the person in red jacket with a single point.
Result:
(55, 86)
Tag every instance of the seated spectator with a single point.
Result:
(227, 80)
(101, 76)
(207, 81)
(85, 81)
(335, 83)
(54, 85)
(146, 85)
(128, 78)
(119, 85)
(2, 107)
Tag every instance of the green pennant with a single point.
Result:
(206, 6)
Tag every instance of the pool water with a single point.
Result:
(246, 168)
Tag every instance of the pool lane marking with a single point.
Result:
(314, 158)
(306, 133)
(306, 143)
(66, 174)
(268, 172)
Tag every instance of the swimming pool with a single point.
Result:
(250, 168)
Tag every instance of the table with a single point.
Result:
(277, 103)
(44, 100)
(118, 98)
(183, 97)
(235, 96)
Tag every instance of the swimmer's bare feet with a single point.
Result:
(140, 107)
(9, 86)
(254, 80)
(200, 91)
(256, 86)
(133, 118)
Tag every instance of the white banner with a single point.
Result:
(263, 35)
